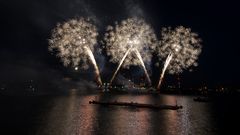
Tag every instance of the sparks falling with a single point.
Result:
(91, 56)
(181, 46)
(143, 65)
(169, 58)
(133, 32)
(74, 41)
(130, 33)
(120, 64)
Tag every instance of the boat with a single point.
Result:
(139, 105)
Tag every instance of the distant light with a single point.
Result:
(76, 68)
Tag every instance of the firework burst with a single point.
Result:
(181, 46)
(74, 42)
(126, 40)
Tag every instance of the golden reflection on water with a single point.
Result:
(130, 120)
(86, 116)
(170, 120)
(74, 115)
(69, 115)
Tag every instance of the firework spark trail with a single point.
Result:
(120, 64)
(143, 65)
(169, 58)
(181, 46)
(74, 42)
(91, 56)
(134, 32)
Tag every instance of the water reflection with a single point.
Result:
(126, 120)
(170, 117)
(73, 115)
(69, 115)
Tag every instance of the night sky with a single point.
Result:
(26, 27)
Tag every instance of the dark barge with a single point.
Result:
(139, 105)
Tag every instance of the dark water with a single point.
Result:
(72, 115)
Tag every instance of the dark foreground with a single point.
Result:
(72, 114)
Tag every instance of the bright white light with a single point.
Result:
(132, 33)
(134, 41)
(183, 44)
(70, 38)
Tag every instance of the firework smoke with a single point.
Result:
(182, 48)
(74, 42)
(131, 33)
(143, 65)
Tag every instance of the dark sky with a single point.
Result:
(26, 25)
